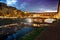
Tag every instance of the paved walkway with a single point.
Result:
(52, 33)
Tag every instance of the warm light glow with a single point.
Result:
(29, 20)
(34, 24)
(49, 20)
(25, 12)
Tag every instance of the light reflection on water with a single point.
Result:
(20, 33)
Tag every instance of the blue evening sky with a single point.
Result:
(33, 5)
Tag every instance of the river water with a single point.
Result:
(20, 33)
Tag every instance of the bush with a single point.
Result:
(33, 34)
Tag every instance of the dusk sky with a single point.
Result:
(33, 5)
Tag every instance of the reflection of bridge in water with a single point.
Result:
(15, 31)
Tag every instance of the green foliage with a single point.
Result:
(33, 34)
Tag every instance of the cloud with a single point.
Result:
(10, 2)
(23, 6)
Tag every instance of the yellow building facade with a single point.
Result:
(58, 14)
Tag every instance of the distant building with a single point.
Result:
(58, 14)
